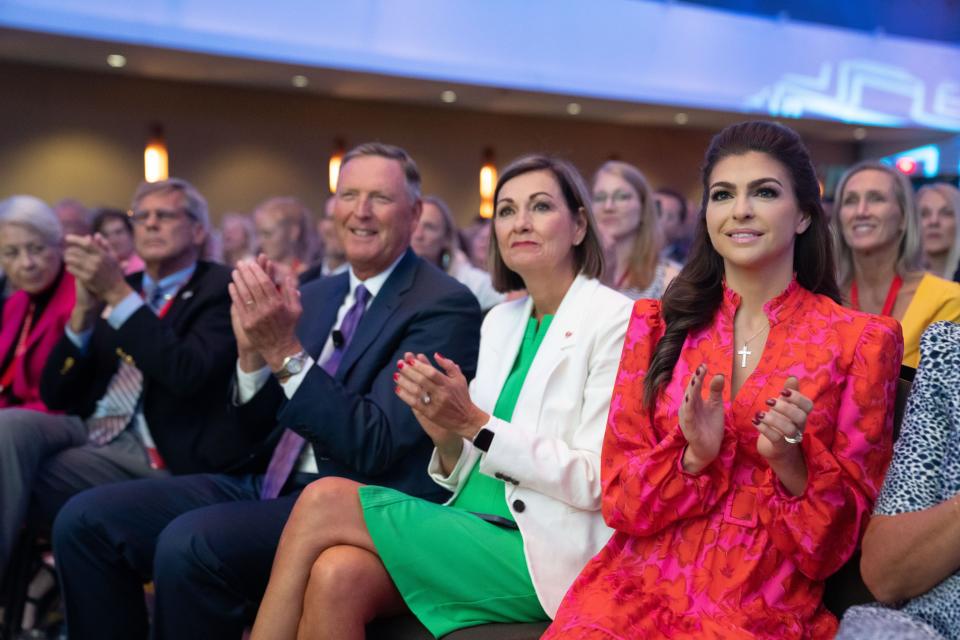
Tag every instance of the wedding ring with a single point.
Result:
(797, 439)
(425, 398)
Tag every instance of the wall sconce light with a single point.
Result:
(488, 182)
(155, 157)
(335, 159)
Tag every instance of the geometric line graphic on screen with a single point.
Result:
(862, 92)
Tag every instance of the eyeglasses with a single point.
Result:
(164, 216)
(10, 253)
(619, 197)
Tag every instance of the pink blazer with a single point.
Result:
(43, 336)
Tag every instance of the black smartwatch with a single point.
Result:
(483, 439)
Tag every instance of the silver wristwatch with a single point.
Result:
(292, 365)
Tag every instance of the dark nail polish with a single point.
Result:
(756, 422)
(786, 393)
(771, 402)
(760, 415)
(692, 382)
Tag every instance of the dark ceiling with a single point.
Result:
(923, 19)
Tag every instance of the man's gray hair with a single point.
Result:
(196, 205)
(34, 214)
(410, 172)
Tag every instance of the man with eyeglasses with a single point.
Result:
(142, 373)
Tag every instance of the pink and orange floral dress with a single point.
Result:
(729, 552)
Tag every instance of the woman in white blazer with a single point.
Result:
(519, 449)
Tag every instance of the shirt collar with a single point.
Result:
(168, 285)
(373, 284)
(777, 309)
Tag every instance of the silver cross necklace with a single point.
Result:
(744, 352)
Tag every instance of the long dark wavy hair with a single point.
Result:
(693, 297)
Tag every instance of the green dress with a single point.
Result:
(453, 569)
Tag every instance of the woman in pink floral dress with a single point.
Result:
(750, 425)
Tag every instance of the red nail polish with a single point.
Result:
(396, 377)
(396, 389)
(786, 393)
(400, 365)
(771, 402)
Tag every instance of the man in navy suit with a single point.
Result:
(319, 364)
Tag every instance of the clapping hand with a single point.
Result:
(95, 266)
(781, 426)
(264, 312)
(702, 422)
(440, 400)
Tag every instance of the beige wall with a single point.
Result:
(81, 134)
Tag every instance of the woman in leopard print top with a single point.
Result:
(911, 551)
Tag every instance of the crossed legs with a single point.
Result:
(327, 579)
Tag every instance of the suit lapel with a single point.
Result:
(184, 295)
(503, 350)
(561, 337)
(317, 323)
(380, 310)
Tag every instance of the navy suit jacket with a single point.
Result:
(187, 359)
(358, 427)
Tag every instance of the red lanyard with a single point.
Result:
(623, 280)
(167, 305)
(887, 304)
(20, 349)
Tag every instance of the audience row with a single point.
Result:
(654, 449)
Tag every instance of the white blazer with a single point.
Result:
(548, 455)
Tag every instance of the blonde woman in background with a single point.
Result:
(626, 218)
(938, 204)
(879, 257)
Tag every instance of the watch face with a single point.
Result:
(292, 365)
(295, 366)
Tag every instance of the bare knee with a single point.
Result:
(347, 578)
(322, 500)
